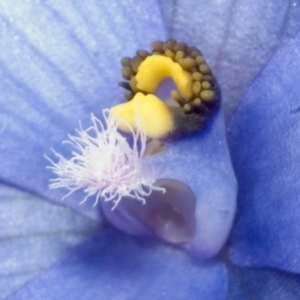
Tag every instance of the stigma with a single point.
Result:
(190, 104)
(104, 164)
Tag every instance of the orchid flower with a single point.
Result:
(59, 63)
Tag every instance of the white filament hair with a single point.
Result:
(103, 164)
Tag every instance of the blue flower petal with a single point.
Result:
(33, 235)
(264, 137)
(262, 284)
(233, 35)
(60, 61)
(202, 162)
(112, 265)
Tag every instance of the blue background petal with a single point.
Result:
(33, 235)
(59, 62)
(236, 36)
(112, 265)
(262, 284)
(264, 138)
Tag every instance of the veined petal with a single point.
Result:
(59, 62)
(264, 137)
(112, 265)
(233, 35)
(33, 235)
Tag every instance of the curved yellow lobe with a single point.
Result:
(146, 113)
(154, 69)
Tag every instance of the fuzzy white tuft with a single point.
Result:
(103, 164)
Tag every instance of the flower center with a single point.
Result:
(193, 101)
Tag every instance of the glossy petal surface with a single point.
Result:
(112, 265)
(265, 146)
(236, 36)
(33, 235)
(59, 62)
(262, 284)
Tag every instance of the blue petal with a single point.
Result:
(233, 35)
(58, 64)
(112, 265)
(33, 235)
(202, 162)
(262, 284)
(265, 143)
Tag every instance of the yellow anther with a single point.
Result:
(154, 69)
(145, 113)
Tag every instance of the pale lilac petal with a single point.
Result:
(60, 62)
